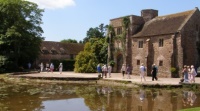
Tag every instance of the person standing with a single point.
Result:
(47, 67)
(41, 67)
(123, 69)
(60, 67)
(51, 67)
(109, 70)
(99, 70)
(105, 70)
(29, 65)
(142, 72)
(193, 73)
(185, 73)
(154, 72)
(128, 71)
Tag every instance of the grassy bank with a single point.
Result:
(191, 109)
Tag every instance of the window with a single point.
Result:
(119, 30)
(138, 62)
(161, 42)
(54, 52)
(45, 51)
(62, 51)
(161, 63)
(140, 44)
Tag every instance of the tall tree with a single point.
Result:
(20, 31)
(95, 50)
(97, 32)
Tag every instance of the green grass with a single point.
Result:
(191, 109)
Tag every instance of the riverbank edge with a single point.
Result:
(120, 83)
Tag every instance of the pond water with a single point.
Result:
(84, 97)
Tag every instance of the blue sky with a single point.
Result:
(71, 19)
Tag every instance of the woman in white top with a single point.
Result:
(123, 70)
(192, 74)
(142, 72)
(51, 67)
(41, 67)
(109, 70)
(60, 68)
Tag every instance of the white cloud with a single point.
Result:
(53, 4)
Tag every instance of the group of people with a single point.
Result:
(104, 70)
(142, 69)
(50, 67)
(127, 70)
(189, 74)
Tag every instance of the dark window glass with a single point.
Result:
(140, 44)
(161, 42)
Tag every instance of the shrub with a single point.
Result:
(86, 62)
(112, 63)
(173, 70)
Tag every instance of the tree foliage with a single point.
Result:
(86, 60)
(20, 31)
(99, 47)
(97, 32)
(95, 50)
(69, 41)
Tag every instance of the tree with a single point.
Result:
(20, 31)
(97, 32)
(99, 48)
(86, 60)
(69, 41)
(95, 50)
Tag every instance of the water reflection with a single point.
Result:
(75, 104)
(189, 98)
(58, 97)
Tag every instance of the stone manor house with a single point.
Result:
(167, 41)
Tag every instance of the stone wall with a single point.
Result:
(152, 53)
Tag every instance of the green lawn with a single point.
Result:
(191, 109)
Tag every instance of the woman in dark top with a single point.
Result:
(154, 72)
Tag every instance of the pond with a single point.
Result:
(49, 96)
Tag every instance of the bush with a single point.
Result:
(112, 63)
(173, 70)
(86, 62)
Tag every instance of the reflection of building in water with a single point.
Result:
(142, 100)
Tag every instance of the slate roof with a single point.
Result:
(50, 47)
(167, 24)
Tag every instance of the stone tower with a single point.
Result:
(149, 14)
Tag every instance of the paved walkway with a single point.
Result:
(114, 77)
